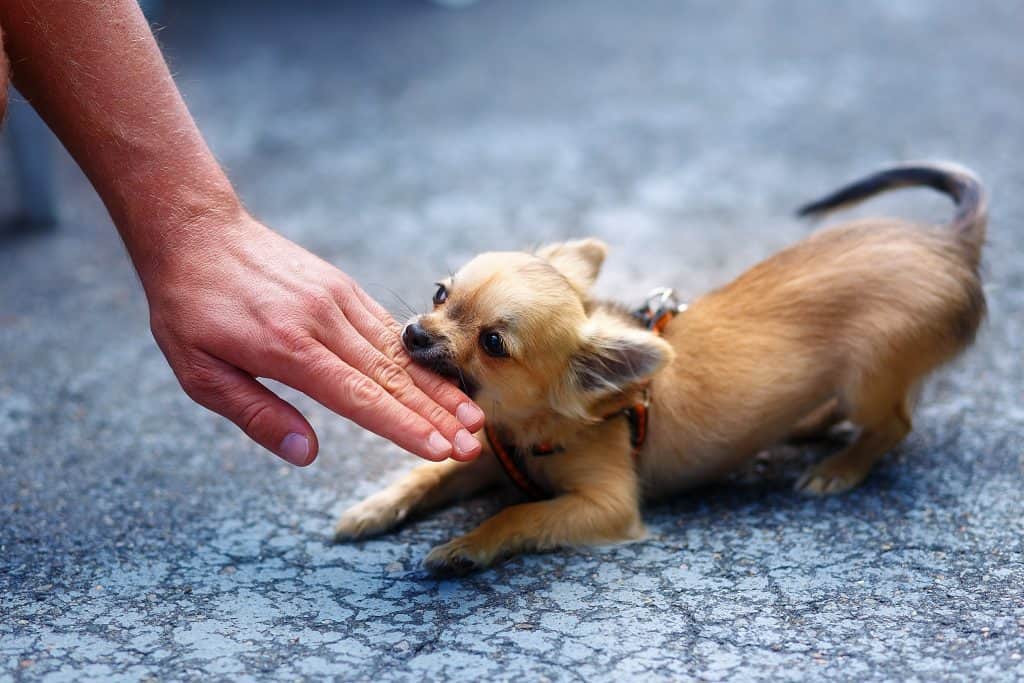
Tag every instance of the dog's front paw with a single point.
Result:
(375, 515)
(457, 557)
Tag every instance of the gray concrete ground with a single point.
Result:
(141, 537)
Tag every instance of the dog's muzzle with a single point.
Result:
(433, 353)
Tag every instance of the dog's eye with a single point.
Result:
(441, 295)
(493, 344)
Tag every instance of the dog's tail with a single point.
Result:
(969, 222)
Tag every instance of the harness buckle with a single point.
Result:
(660, 304)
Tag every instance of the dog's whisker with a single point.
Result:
(408, 311)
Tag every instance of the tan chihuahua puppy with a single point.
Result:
(844, 325)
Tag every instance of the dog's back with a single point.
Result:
(857, 314)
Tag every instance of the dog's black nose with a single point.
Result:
(416, 338)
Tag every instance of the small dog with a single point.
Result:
(844, 325)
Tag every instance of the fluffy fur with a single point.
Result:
(844, 325)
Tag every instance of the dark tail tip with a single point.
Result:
(959, 183)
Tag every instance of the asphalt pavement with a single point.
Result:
(144, 538)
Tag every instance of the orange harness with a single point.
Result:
(661, 306)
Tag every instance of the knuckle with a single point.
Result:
(321, 305)
(438, 415)
(292, 339)
(363, 391)
(325, 366)
(201, 383)
(394, 350)
(411, 425)
(255, 418)
(392, 378)
(343, 288)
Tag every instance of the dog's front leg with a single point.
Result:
(575, 518)
(426, 487)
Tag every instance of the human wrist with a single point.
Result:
(189, 221)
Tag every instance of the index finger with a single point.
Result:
(441, 390)
(345, 390)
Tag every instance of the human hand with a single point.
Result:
(232, 300)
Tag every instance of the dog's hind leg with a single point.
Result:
(816, 424)
(882, 409)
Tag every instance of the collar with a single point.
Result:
(659, 308)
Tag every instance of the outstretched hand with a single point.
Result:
(230, 300)
(236, 301)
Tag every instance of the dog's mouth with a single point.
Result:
(445, 365)
(465, 382)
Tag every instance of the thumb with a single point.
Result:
(262, 415)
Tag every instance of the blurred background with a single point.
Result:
(396, 139)
(352, 126)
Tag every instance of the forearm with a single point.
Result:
(92, 69)
(230, 300)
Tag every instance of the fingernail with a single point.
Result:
(295, 449)
(465, 444)
(469, 415)
(438, 445)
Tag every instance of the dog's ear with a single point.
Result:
(613, 357)
(578, 260)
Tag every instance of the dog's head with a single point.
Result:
(518, 332)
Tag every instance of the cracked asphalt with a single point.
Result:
(143, 538)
